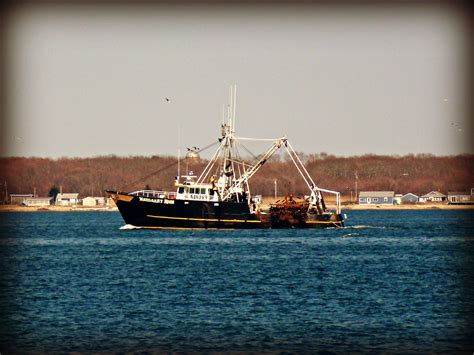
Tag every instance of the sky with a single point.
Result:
(89, 80)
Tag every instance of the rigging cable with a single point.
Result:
(257, 158)
(165, 167)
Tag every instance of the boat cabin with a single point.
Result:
(201, 192)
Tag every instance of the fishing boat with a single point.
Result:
(220, 197)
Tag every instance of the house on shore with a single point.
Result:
(91, 201)
(461, 198)
(410, 198)
(37, 201)
(433, 196)
(17, 199)
(67, 199)
(376, 197)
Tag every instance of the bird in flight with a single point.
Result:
(456, 125)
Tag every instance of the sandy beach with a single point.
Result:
(15, 208)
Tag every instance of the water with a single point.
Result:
(391, 281)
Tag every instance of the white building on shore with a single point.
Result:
(37, 201)
(433, 196)
(91, 201)
(67, 199)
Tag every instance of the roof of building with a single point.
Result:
(68, 195)
(467, 193)
(410, 194)
(38, 198)
(376, 194)
(21, 195)
(434, 194)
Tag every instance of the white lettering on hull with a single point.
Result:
(158, 200)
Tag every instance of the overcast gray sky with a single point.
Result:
(348, 80)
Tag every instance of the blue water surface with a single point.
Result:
(390, 281)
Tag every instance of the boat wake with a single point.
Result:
(350, 235)
(355, 234)
(129, 226)
(365, 227)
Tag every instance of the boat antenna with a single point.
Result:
(231, 108)
(234, 106)
(179, 152)
(223, 115)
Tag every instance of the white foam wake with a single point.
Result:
(129, 226)
(350, 235)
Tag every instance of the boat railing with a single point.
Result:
(155, 194)
(337, 195)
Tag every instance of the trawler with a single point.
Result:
(220, 197)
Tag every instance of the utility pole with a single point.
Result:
(356, 178)
(275, 189)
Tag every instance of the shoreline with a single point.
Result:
(14, 208)
(432, 206)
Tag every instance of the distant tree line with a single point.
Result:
(418, 174)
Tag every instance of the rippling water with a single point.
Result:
(391, 281)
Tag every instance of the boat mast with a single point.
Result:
(224, 156)
(228, 168)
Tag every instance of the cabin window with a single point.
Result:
(191, 190)
(181, 190)
(203, 191)
(385, 199)
(375, 199)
